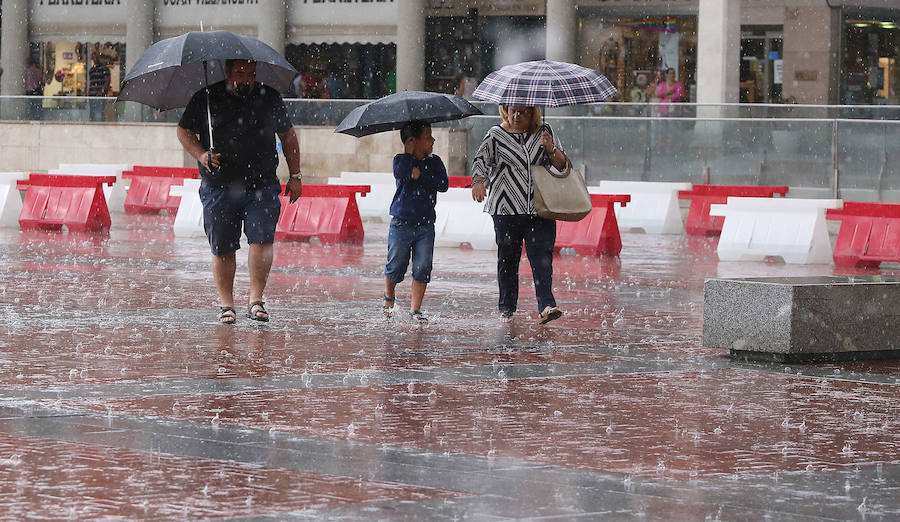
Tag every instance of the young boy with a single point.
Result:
(420, 176)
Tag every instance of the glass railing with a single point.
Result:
(317, 112)
(850, 151)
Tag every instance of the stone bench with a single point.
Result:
(803, 319)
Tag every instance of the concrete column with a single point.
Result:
(14, 42)
(562, 30)
(138, 37)
(410, 45)
(272, 23)
(812, 58)
(718, 51)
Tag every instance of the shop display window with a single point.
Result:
(869, 72)
(343, 71)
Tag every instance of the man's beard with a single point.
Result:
(243, 89)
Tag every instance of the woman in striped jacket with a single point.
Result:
(501, 175)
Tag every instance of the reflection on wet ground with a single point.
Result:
(123, 397)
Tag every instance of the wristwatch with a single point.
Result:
(296, 176)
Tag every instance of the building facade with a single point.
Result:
(805, 51)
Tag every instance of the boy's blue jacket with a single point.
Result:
(414, 199)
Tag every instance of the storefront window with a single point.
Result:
(343, 71)
(869, 66)
(633, 53)
(65, 65)
(761, 64)
(453, 63)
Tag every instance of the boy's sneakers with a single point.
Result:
(418, 316)
(387, 306)
(550, 313)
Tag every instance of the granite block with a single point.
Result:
(804, 319)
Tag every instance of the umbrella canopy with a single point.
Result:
(172, 70)
(544, 83)
(392, 112)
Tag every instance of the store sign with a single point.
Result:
(66, 3)
(208, 2)
(174, 17)
(486, 7)
(338, 13)
(56, 16)
(332, 2)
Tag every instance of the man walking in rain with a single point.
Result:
(239, 186)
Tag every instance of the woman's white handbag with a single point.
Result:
(562, 196)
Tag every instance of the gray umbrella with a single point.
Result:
(168, 74)
(392, 112)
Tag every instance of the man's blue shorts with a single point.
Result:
(226, 210)
(409, 239)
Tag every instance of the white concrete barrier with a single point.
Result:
(461, 220)
(377, 203)
(10, 199)
(653, 207)
(368, 178)
(756, 228)
(115, 195)
(189, 218)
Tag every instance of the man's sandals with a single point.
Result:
(257, 312)
(227, 315)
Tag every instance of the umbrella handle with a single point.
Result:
(213, 171)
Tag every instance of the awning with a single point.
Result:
(349, 34)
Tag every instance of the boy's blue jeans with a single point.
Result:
(407, 239)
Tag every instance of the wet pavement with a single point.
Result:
(122, 397)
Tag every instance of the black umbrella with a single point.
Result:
(168, 74)
(392, 112)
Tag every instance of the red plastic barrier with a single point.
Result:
(459, 181)
(598, 232)
(328, 212)
(54, 200)
(700, 223)
(869, 234)
(149, 190)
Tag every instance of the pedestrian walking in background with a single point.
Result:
(239, 187)
(419, 175)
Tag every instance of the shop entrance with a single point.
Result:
(761, 64)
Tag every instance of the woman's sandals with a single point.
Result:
(227, 315)
(257, 312)
(550, 313)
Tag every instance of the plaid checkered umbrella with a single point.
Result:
(544, 83)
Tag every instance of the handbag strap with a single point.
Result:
(561, 175)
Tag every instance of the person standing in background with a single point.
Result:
(98, 85)
(34, 86)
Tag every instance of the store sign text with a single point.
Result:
(210, 2)
(81, 2)
(347, 1)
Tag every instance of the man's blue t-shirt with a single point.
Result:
(415, 199)
(243, 131)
